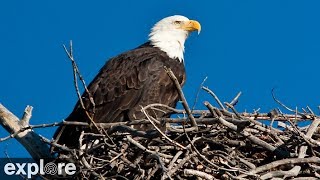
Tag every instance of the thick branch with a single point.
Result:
(278, 163)
(30, 140)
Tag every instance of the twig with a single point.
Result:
(310, 111)
(76, 73)
(202, 156)
(165, 136)
(198, 92)
(303, 149)
(275, 164)
(236, 99)
(200, 174)
(233, 109)
(215, 97)
(283, 105)
(52, 143)
(181, 95)
(83, 159)
(251, 137)
(181, 163)
(174, 159)
(140, 146)
(26, 116)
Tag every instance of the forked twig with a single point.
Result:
(76, 73)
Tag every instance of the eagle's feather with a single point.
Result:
(125, 83)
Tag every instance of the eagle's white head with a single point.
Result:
(170, 33)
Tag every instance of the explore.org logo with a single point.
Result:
(30, 169)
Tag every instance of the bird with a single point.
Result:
(134, 79)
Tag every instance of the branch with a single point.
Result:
(214, 96)
(275, 164)
(200, 174)
(251, 137)
(181, 95)
(150, 119)
(30, 140)
(303, 149)
(77, 73)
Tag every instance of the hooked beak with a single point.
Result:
(191, 25)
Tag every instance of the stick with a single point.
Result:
(165, 136)
(30, 140)
(75, 73)
(181, 95)
(275, 164)
(200, 174)
(215, 97)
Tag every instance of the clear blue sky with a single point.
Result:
(249, 46)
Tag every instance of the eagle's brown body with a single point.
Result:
(125, 83)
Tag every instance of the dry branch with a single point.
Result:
(19, 130)
(182, 97)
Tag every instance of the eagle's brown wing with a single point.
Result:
(125, 83)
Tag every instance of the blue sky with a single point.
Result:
(249, 46)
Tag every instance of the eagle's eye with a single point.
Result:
(177, 22)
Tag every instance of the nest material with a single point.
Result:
(212, 144)
(226, 145)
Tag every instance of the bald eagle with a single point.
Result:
(134, 78)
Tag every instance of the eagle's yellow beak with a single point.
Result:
(191, 25)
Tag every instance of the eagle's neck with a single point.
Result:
(170, 42)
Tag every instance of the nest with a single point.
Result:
(223, 145)
(217, 143)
